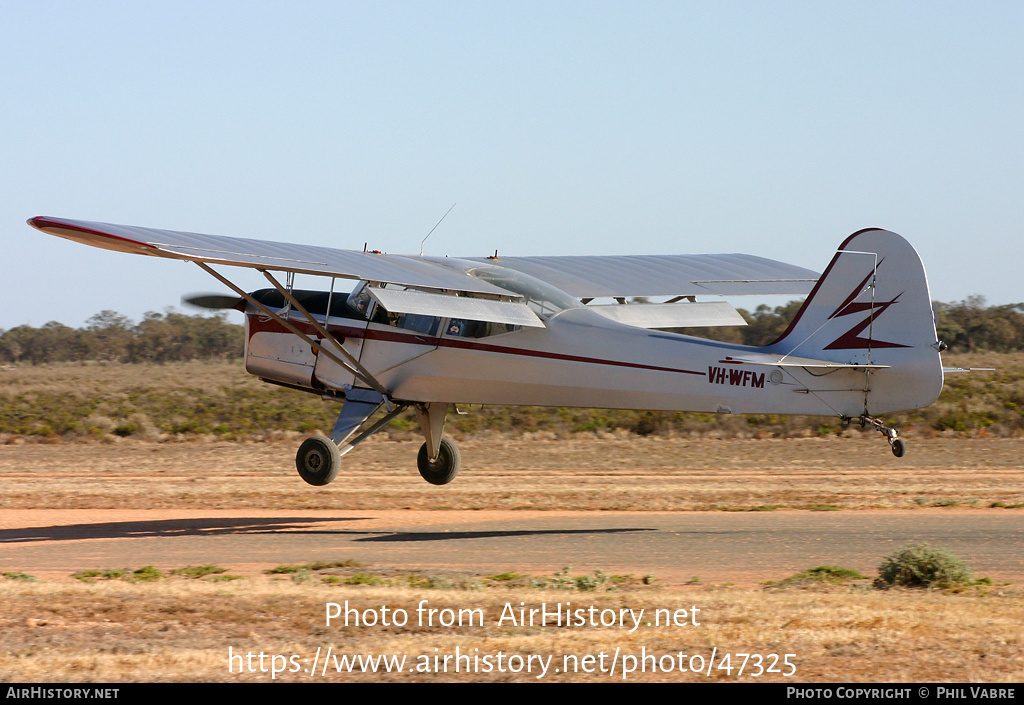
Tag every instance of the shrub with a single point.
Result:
(87, 576)
(17, 575)
(146, 574)
(829, 574)
(813, 578)
(196, 572)
(921, 565)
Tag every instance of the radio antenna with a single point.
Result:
(435, 228)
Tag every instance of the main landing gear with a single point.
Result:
(898, 446)
(318, 460)
(443, 468)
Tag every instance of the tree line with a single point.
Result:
(110, 337)
(965, 326)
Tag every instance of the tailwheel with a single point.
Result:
(442, 469)
(896, 444)
(318, 460)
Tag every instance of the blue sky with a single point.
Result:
(775, 129)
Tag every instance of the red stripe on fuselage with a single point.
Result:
(397, 336)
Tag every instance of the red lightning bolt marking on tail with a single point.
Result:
(851, 340)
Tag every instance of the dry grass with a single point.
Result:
(584, 472)
(111, 378)
(90, 402)
(179, 630)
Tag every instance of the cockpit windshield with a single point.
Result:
(544, 299)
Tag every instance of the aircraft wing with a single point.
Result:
(664, 275)
(260, 254)
(578, 276)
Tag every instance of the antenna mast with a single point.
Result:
(435, 228)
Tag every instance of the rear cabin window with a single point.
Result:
(427, 325)
(463, 328)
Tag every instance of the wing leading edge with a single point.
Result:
(260, 254)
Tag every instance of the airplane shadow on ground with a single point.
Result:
(163, 528)
(169, 528)
(449, 535)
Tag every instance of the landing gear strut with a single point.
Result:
(319, 458)
(898, 446)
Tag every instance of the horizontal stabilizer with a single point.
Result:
(776, 360)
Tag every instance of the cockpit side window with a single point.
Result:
(360, 300)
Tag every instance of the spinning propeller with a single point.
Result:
(216, 302)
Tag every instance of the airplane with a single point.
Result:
(430, 333)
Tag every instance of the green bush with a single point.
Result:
(814, 578)
(196, 572)
(924, 566)
(828, 574)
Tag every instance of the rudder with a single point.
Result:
(872, 306)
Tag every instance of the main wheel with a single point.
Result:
(442, 470)
(899, 448)
(318, 460)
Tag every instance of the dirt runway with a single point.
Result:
(768, 508)
(675, 548)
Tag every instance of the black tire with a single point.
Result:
(318, 460)
(899, 448)
(445, 468)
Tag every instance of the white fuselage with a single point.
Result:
(580, 359)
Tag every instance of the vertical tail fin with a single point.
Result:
(872, 306)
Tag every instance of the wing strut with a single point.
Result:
(352, 365)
